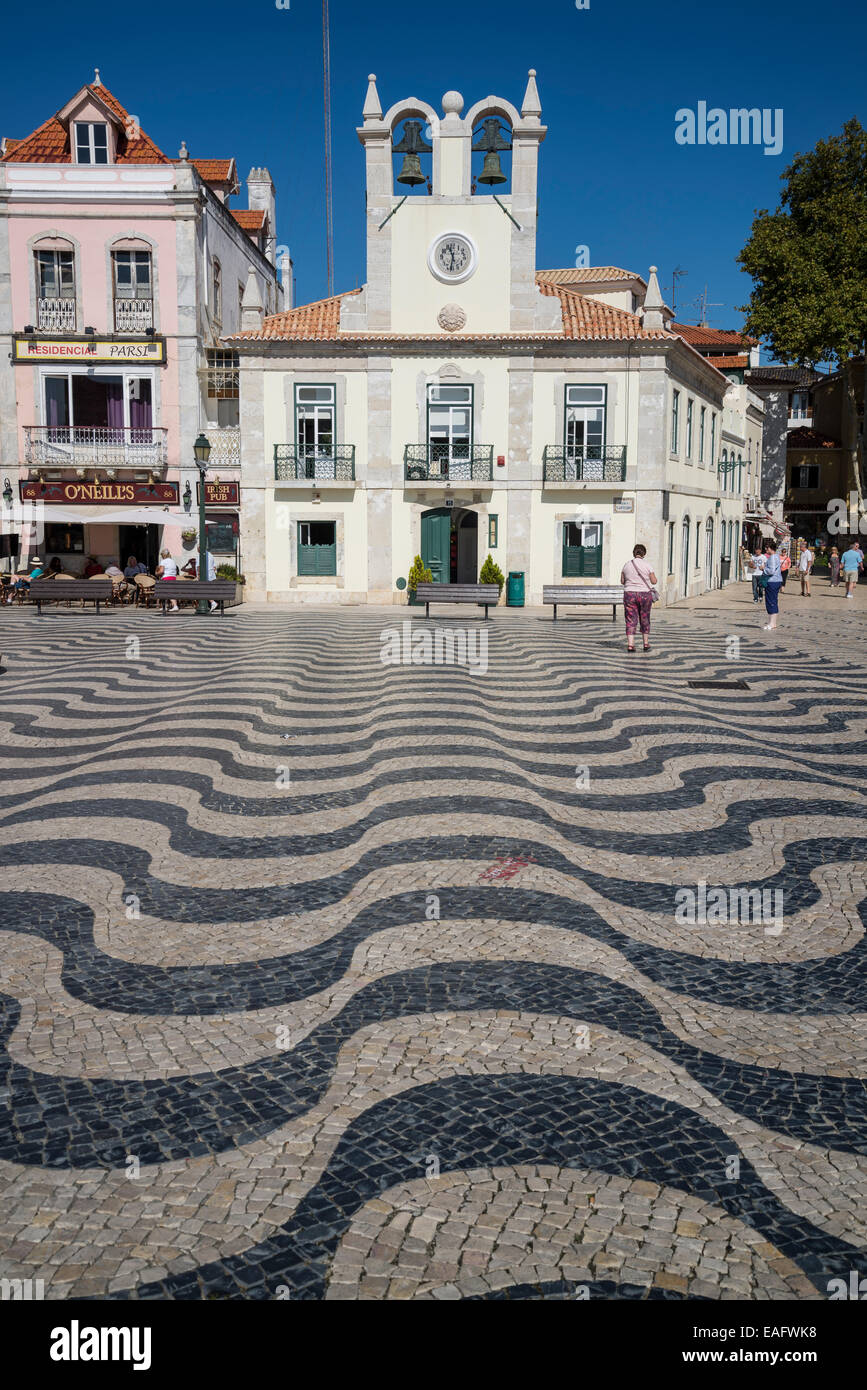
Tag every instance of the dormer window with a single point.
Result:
(91, 142)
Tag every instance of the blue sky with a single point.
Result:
(247, 81)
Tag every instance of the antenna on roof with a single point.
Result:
(704, 304)
(97, 81)
(676, 274)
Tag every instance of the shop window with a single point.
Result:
(582, 550)
(317, 547)
(64, 540)
(222, 536)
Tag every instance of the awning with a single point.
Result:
(120, 516)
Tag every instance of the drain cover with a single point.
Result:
(718, 685)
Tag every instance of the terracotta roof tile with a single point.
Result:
(722, 362)
(583, 319)
(712, 337)
(251, 219)
(49, 143)
(586, 275)
(212, 170)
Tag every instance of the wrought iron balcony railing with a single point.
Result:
(584, 463)
(55, 315)
(315, 463)
(91, 446)
(225, 446)
(448, 462)
(133, 315)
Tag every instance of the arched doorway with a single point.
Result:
(684, 558)
(708, 553)
(450, 544)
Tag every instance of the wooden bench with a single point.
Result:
(218, 591)
(59, 590)
(572, 594)
(483, 595)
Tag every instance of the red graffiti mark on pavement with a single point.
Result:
(506, 866)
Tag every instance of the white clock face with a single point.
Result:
(452, 257)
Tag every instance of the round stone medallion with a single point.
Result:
(451, 317)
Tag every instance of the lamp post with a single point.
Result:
(202, 451)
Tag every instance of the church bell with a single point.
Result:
(411, 146)
(492, 170)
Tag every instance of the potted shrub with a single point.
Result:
(189, 536)
(227, 571)
(418, 574)
(491, 573)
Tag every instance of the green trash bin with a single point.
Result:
(515, 589)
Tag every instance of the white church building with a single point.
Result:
(464, 403)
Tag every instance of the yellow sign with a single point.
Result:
(144, 350)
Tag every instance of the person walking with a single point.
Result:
(639, 592)
(168, 569)
(773, 583)
(805, 569)
(851, 561)
(756, 563)
(834, 567)
(210, 572)
(785, 566)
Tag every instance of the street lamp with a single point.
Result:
(202, 451)
(7, 492)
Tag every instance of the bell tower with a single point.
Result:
(451, 217)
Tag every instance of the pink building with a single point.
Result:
(121, 270)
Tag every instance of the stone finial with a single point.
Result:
(453, 104)
(372, 109)
(183, 152)
(531, 108)
(252, 308)
(654, 315)
(97, 80)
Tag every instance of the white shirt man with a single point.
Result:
(805, 565)
(210, 573)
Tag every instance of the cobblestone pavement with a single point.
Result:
(328, 978)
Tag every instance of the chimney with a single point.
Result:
(286, 269)
(252, 309)
(260, 196)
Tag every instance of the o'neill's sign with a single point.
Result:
(145, 351)
(118, 494)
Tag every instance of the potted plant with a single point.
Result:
(189, 536)
(418, 574)
(227, 571)
(491, 573)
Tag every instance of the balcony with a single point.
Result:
(55, 315)
(133, 316)
(95, 446)
(448, 463)
(591, 463)
(323, 463)
(225, 446)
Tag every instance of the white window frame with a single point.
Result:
(128, 374)
(674, 443)
(90, 127)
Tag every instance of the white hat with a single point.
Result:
(35, 560)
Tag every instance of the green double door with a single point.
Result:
(436, 530)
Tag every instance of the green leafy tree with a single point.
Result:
(808, 260)
(418, 574)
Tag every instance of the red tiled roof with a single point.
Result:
(586, 318)
(722, 362)
(251, 219)
(712, 337)
(582, 318)
(212, 170)
(805, 438)
(586, 275)
(49, 143)
(319, 320)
